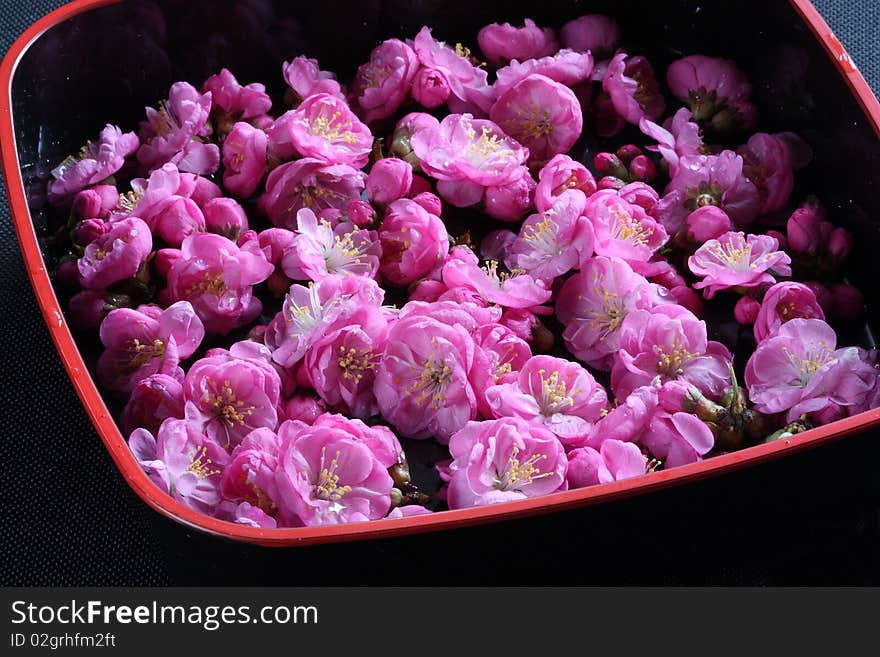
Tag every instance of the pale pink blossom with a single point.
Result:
(382, 83)
(559, 175)
(323, 127)
(737, 260)
(621, 229)
(305, 77)
(500, 43)
(319, 250)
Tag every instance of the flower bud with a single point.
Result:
(431, 202)
(361, 213)
(746, 311)
(430, 87)
(802, 231)
(88, 231)
(87, 308)
(628, 152)
(164, 260)
(510, 202)
(178, 218)
(840, 243)
(608, 164)
(642, 168)
(823, 295)
(389, 179)
(204, 191)
(86, 204)
(226, 217)
(610, 182)
(707, 223)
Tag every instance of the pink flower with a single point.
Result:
(566, 67)
(470, 91)
(554, 393)
(176, 218)
(226, 217)
(503, 460)
(799, 370)
(305, 78)
(323, 127)
(244, 159)
(627, 421)
(474, 153)
(430, 87)
(680, 137)
(454, 309)
(389, 180)
(593, 304)
(559, 175)
(95, 202)
(738, 260)
(709, 180)
(182, 462)
(381, 84)
(170, 133)
(807, 230)
(309, 183)
(148, 195)
(767, 163)
(230, 393)
(510, 201)
(152, 401)
(553, 242)
(341, 364)
(237, 101)
(782, 303)
(634, 92)
(311, 312)
(318, 250)
(670, 342)
(746, 311)
(217, 276)
(413, 241)
(677, 438)
(422, 383)
(621, 229)
(597, 34)
(147, 341)
(499, 358)
(305, 407)
(249, 476)
(707, 223)
(513, 290)
(543, 115)
(615, 460)
(330, 474)
(116, 254)
(501, 43)
(715, 89)
(95, 162)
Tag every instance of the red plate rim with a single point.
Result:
(164, 504)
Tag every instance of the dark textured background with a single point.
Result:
(68, 518)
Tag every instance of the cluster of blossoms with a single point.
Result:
(282, 297)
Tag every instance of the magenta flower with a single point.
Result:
(627, 421)
(614, 461)
(309, 183)
(623, 230)
(559, 175)
(152, 401)
(782, 303)
(330, 474)
(148, 195)
(501, 43)
(305, 77)
(767, 164)
(737, 260)
(225, 217)
(593, 304)
(468, 84)
(594, 33)
(147, 341)
(670, 342)
(249, 476)
(799, 370)
(510, 201)
(390, 179)
(116, 254)
(566, 67)
(414, 242)
(716, 91)
(244, 159)
(678, 138)
(325, 128)
(503, 460)
(171, 133)
(175, 219)
(543, 115)
(234, 100)
(319, 250)
(472, 153)
(500, 355)
(422, 383)
(677, 438)
(182, 462)
(553, 242)
(707, 223)
(430, 87)
(512, 290)
(310, 312)
(463, 310)
(217, 278)
(382, 83)
(95, 162)
(305, 407)
(709, 180)
(635, 93)
(554, 393)
(230, 393)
